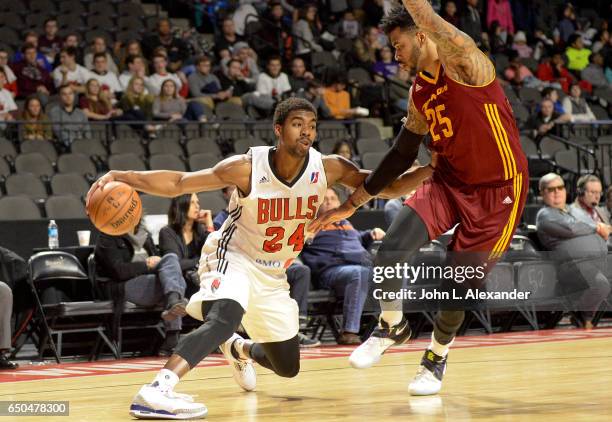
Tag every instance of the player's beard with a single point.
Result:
(415, 55)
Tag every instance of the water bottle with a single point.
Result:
(53, 235)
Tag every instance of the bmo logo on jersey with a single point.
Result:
(269, 263)
(286, 209)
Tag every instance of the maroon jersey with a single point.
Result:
(472, 129)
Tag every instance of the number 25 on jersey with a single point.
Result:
(436, 118)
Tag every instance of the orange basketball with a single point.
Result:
(115, 209)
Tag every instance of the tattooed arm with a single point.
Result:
(458, 52)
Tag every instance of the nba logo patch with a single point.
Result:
(215, 284)
(314, 177)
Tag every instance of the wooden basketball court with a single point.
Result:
(560, 375)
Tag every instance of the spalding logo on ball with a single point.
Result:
(115, 209)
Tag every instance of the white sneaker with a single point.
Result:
(243, 369)
(428, 379)
(153, 403)
(383, 337)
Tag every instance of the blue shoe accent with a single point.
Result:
(148, 409)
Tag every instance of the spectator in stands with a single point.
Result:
(135, 102)
(519, 75)
(551, 94)
(155, 81)
(69, 121)
(349, 25)
(32, 77)
(499, 10)
(233, 79)
(31, 38)
(6, 311)
(470, 21)
(399, 89)
(338, 100)
(71, 40)
(225, 42)
(168, 105)
(50, 43)
(187, 230)
(96, 103)
(11, 80)
(545, 121)
(37, 125)
(589, 190)
(248, 62)
(553, 70)
(108, 80)
(450, 13)
(386, 66)
(367, 48)
(601, 41)
(338, 257)
(224, 213)
(576, 106)
(520, 45)
(205, 86)
(98, 46)
(578, 243)
(594, 72)
(148, 279)
(124, 51)
(136, 66)
(7, 103)
(567, 25)
(270, 88)
(374, 11)
(175, 47)
(69, 72)
(306, 31)
(577, 55)
(274, 32)
(543, 45)
(299, 77)
(314, 94)
(343, 149)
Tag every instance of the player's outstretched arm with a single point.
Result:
(462, 59)
(234, 170)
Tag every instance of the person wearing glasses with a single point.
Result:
(589, 190)
(578, 243)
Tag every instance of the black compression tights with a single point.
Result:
(222, 318)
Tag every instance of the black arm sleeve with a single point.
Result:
(398, 159)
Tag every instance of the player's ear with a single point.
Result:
(277, 130)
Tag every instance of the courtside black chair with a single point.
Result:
(80, 315)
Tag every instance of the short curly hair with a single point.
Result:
(291, 104)
(398, 17)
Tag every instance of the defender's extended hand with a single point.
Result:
(344, 211)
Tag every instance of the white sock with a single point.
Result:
(392, 317)
(239, 346)
(437, 348)
(166, 380)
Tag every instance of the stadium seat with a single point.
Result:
(213, 201)
(241, 146)
(76, 163)
(5, 169)
(549, 146)
(359, 76)
(128, 161)
(129, 8)
(26, 184)
(165, 146)
(34, 162)
(100, 8)
(155, 205)
(12, 20)
(368, 130)
(126, 132)
(7, 149)
(371, 145)
(371, 160)
(264, 131)
(326, 145)
(125, 146)
(42, 6)
(132, 23)
(529, 147)
(64, 207)
(203, 145)
(95, 22)
(332, 130)
(44, 147)
(9, 36)
(229, 111)
(69, 184)
(17, 208)
(202, 161)
(233, 130)
(89, 147)
(569, 160)
(166, 162)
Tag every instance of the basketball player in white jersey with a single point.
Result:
(242, 268)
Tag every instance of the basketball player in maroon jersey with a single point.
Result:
(480, 180)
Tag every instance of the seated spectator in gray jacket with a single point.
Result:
(205, 86)
(147, 278)
(69, 121)
(576, 106)
(578, 243)
(168, 105)
(187, 230)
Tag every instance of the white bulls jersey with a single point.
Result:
(268, 227)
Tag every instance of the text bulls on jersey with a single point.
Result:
(285, 209)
